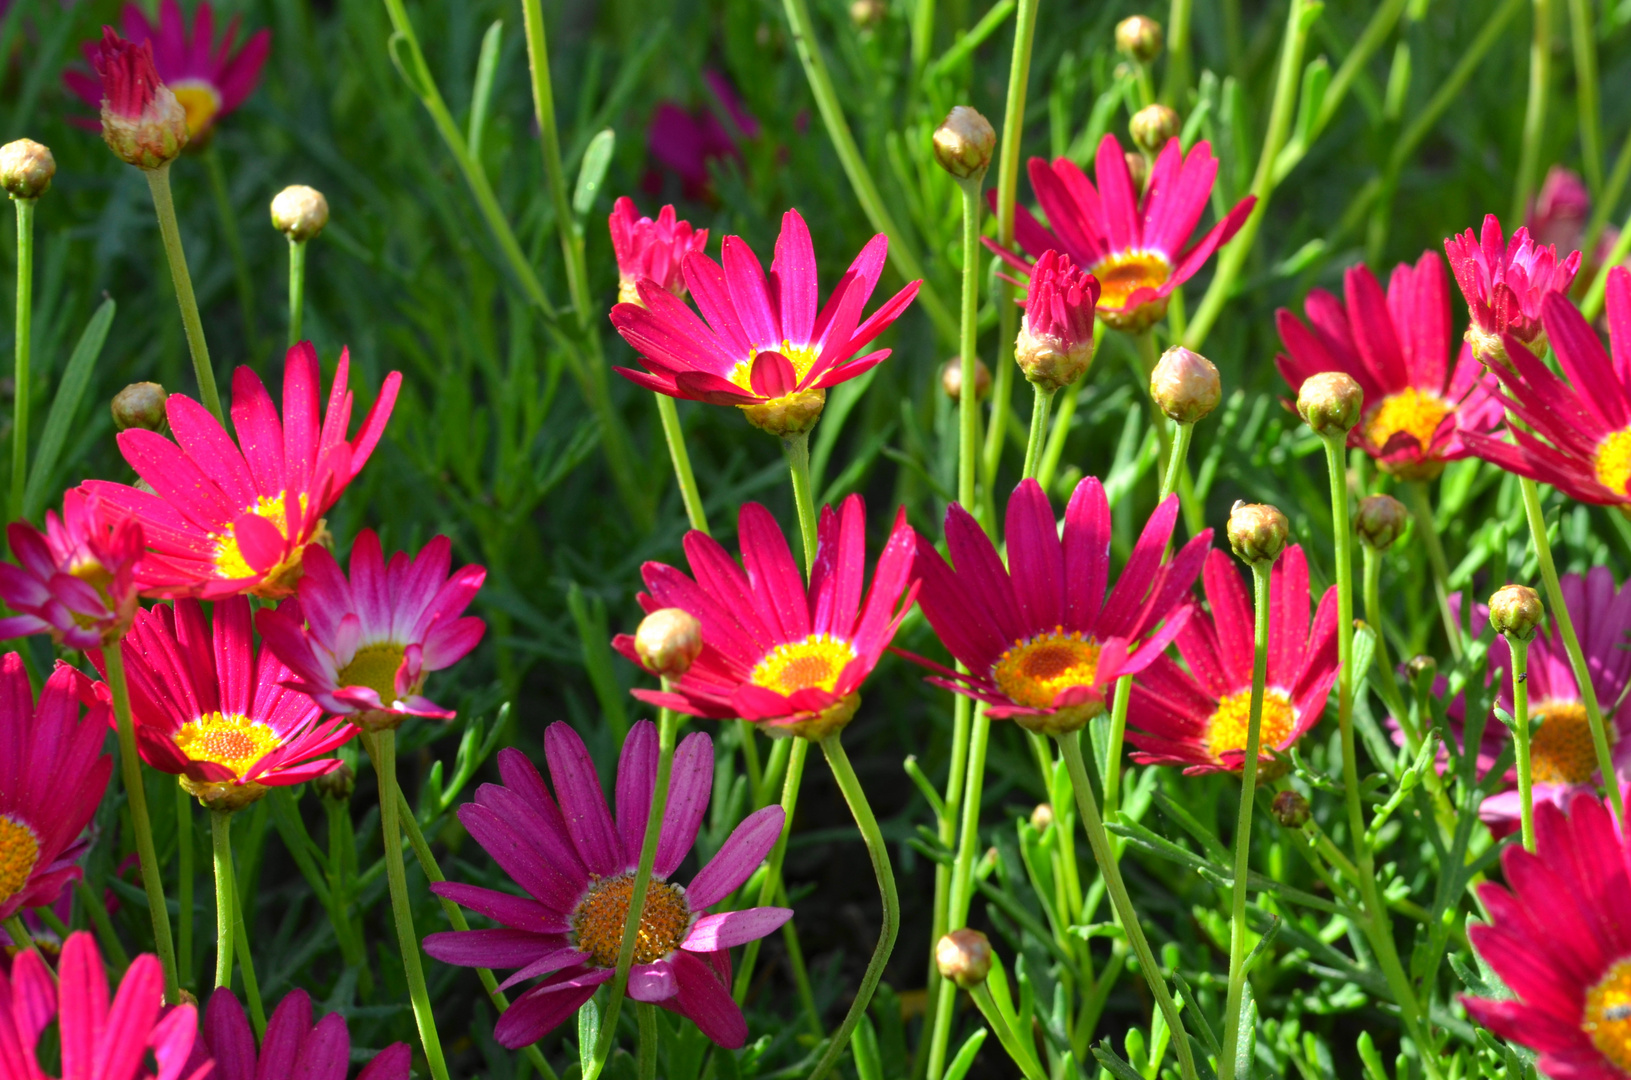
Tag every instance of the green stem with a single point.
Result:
(1039, 430)
(20, 937)
(1586, 93)
(1386, 681)
(1013, 119)
(1099, 840)
(1243, 825)
(798, 467)
(968, 406)
(922, 34)
(1605, 201)
(1177, 54)
(1118, 735)
(158, 181)
(1002, 391)
(1520, 733)
(771, 881)
(97, 912)
(184, 887)
(1148, 357)
(647, 1063)
(674, 435)
(297, 288)
(962, 799)
(242, 278)
(1183, 433)
(1534, 117)
(878, 851)
(131, 769)
(1593, 304)
(549, 143)
(1058, 432)
(24, 345)
(1421, 508)
(221, 839)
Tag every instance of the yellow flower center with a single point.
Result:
(375, 666)
(1226, 730)
(815, 662)
(19, 851)
(231, 740)
(597, 921)
(1561, 751)
(229, 557)
(201, 102)
(1033, 672)
(1411, 411)
(1125, 272)
(802, 357)
(1613, 461)
(1608, 1015)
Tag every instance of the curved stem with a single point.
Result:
(674, 435)
(878, 851)
(297, 288)
(1520, 733)
(1039, 430)
(221, 844)
(158, 182)
(1421, 508)
(1534, 117)
(24, 346)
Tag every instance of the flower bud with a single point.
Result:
(951, 379)
(865, 14)
(1258, 532)
(139, 405)
(1139, 38)
(964, 142)
(1185, 385)
(1290, 809)
(142, 122)
(337, 784)
(668, 642)
(299, 212)
(1055, 343)
(1138, 171)
(1330, 401)
(964, 957)
(26, 169)
(1421, 667)
(1041, 817)
(1380, 520)
(1515, 611)
(1153, 126)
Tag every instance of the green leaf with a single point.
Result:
(590, 616)
(864, 1047)
(592, 172)
(64, 404)
(965, 1055)
(1374, 1069)
(481, 95)
(588, 1034)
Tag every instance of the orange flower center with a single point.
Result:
(814, 663)
(374, 666)
(597, 921)
(1613, 461)
(19, 851)
(1122, 274)
(1033, 672)
(802, 357)
(1561, 751)
(231, 740)
(200, 100)
(1608, 1015)
(1227, 729)
(1411, 411)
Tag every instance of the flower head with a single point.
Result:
(764, 347)
(687, 141)
(1505, 285)
(26, 168)
(650, 249)
(299, 212)
(220, 520)
(1396, 346)
(577, 863)
(293, 1045)
(55, 774)
(775, 652)
(1558, 216)
(1134, 246)
(1055, 343)
(1198, 718)
(77, 580)
(142, 122)
(362, 647)
(1041, 640)
(210, 708)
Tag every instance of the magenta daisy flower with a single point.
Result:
(764, 347)
(52, 776)
(76, 581)
(220, 521)
(1040, 639)
(99, 1040)
(293, 1045)
(1505, 285)
(577, 864)
(1559, 937)
(362, 647)
(1198, 718)
(1134, 246)
(1397, 347)
(650, 249)
(1055, 344)
(786, 657)
(211, 709)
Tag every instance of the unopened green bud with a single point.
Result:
(139, 405)
(1153, 126)
(1380, 520)
(337, 784)
(1516, 611)
(1258, 532)
(299, 212)
(1138, 37)
(964, 957)
(1185, 385)
(26, 169)
(1330, 401)
(1291, 809)
(668, 642)
(1042, 816)
(951, 379)
(964, 142)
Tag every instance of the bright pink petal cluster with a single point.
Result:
(650, 249)
(1055, 344)
(293, 1045)
(127, 82)
(576, 863)
(1505, 285)
(77, 580)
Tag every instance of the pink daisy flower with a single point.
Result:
(221, 521)
(786, 657)
(1055, 344)
(1198, 718)
(1134, 246)
(1505, 285)
(650, 249)
(577, 865)
(52, 776)
(99, 1040)
(764, 347)
(362, 648)
(1397, 347)
(293, 1045)
(1040, 639)
(212, 710)
(76, 581)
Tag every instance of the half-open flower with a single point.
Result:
(142, 121)
(1134, 246)
(220, 520)
(1397, 347)
(1198, 718)
(1055, 343)
(213, 710)
(362, 647)
(77, 580)
(786, 657)
(1505, 285)
(1040, 639)
(650, 249)
(292, 1047)
(577, 864)
(764, 347)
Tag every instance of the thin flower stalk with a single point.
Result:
(1421, 508)
(24, 344)
(231, 940)
(297, 288)
(185, 884)
(1534, 116)
(1520, 736)
(158, 181)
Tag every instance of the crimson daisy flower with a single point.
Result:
(650, 249)
(1559, 937)
(1575, 437)
(293, 1045)
(212, 710)
(362, 647)
(778, 654)
(1040, 639)
(220, 521)
(1198, 718)
(764, 347)
(52, 776)
(577, 865)
(76, 581)
(1397, 347)
(1505, 285)
(1134, 246)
